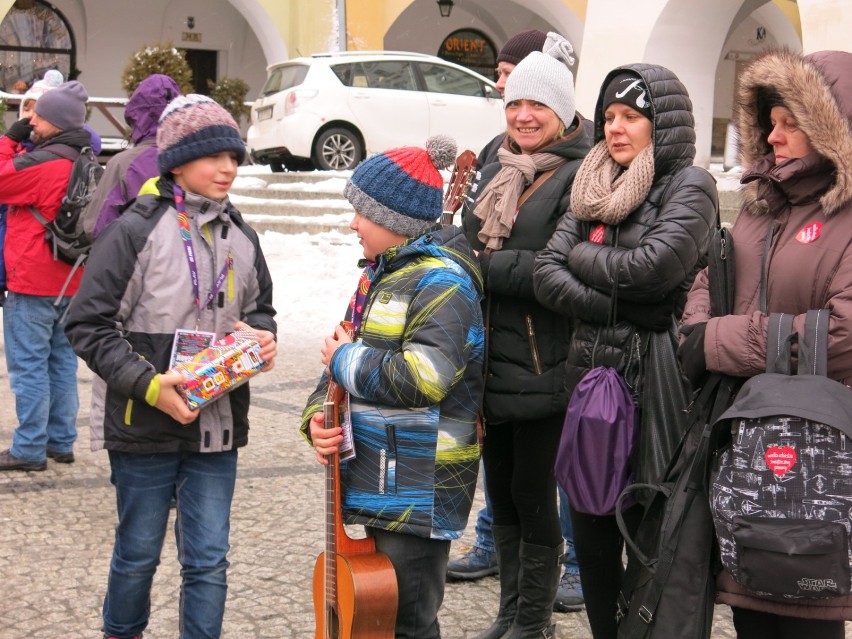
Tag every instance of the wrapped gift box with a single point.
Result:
(219, 368)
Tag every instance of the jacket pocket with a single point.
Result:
(799, 557)
(536, 359)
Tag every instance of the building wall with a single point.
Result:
(695, 38)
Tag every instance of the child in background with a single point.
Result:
(185, 269)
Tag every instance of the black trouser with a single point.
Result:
(599, 546)
(519, 459)
(751, 624)
(421, 571)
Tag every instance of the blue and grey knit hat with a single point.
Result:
(194, 126)
(401, 189)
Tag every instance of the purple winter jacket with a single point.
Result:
(129, 170)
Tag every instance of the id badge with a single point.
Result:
(189, 343)
(346, 450)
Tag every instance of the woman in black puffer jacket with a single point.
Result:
(640, 225)
(518, 204)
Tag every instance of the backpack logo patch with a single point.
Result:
(780, 459)
(809, 233)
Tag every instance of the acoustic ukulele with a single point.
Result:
(461, 180)
(355, 592)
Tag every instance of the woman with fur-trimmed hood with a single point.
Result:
(795, 123)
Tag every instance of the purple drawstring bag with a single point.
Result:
(593, 461)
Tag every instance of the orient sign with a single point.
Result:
(471, 49)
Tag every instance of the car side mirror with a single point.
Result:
(491, 92)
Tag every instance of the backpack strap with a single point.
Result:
(813, 344)
(779, 335)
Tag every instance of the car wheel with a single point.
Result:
(337, 149)
(277, 167)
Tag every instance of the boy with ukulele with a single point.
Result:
(413, 375)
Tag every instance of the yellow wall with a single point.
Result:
(304, 25)
(368, 20)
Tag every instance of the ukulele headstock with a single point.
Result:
(461, 179)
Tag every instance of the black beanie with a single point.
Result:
(521, 45)
(628, 88)
(766, 99)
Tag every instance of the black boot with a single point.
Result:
(508, 541)
(538, 581)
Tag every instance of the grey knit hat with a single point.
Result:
(401, 189)
(545, 76)
(65, 106)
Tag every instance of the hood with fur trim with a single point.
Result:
(817, 89)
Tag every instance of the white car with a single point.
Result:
(335, 109)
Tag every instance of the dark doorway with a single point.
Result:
(204, 67)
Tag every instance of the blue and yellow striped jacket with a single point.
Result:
(414, 378)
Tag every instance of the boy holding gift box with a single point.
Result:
(172, 275)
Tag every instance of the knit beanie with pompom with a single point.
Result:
(194, 126)
(402, 189)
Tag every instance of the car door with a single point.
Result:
(386, 105)
(459, 107)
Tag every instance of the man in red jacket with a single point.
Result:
(42, 367)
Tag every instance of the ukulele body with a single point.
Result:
(366, 598)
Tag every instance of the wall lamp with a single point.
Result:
(445, 7)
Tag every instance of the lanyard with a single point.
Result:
(186, 236)
(359, 299)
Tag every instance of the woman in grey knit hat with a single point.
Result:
(518, 202)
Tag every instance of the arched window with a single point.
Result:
(472, 49)
(34, 37)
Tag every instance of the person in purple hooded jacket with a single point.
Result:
(129, 170)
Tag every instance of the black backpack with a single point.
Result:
(780, 492)
(65, 233)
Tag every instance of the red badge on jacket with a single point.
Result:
(809, 233)
(597, 234)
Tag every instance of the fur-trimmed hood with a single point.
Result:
(817, 89)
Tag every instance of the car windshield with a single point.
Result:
(284, 77)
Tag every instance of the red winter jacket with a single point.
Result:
(38, 179)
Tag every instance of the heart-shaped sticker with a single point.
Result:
(780, 459)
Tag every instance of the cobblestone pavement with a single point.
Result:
(56, 533)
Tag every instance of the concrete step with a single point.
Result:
(313, 202)
(296, 192)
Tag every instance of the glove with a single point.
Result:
(654, 317)
(690, 354)
(20, 130)
(2, 297)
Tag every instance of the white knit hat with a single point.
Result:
(545, 77)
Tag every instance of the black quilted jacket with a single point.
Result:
(660, 246)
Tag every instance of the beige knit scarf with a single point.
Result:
(497, 205)
(604, 192)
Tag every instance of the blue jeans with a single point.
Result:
(203, 485)
(42, 374)
(421, 572)
(484, 536)
(570, 558)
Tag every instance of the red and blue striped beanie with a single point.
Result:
(401, 189)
